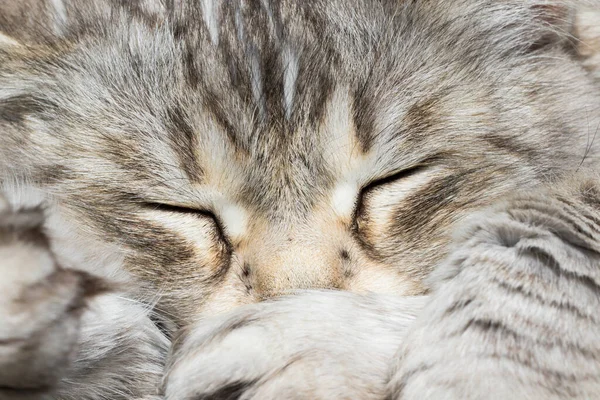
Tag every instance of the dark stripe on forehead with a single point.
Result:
(273, 67)
(364, 111)
(213, 104)
(190, 69)
(235, 53)
(184, 141)
(325, 87)
(421, 117)
(316, 81)
(258, 68)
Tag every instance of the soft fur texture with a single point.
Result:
(246, 199)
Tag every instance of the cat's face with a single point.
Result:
(245, 150)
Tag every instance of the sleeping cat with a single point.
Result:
(278, 199)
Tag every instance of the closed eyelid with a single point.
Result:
(394, 177)
(163, 207)
(178, 209)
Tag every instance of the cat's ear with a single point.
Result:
(586, 30)
(553, 24)
(572, 24)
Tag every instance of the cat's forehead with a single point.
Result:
(277, 105)
(280, 103)
(290, 167)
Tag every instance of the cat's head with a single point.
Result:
(238, 150)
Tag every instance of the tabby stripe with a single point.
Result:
(549, 212)
(531, 336)
(590, 220)
(559, 377)
(575, 227)
(577, 214)
(413, 218)
(511, 145)
(364, 119)
(184, 141)
(458, 305)
(191, 73)
(213, 105)
(520, 290)
(488, 326)
(553, 265)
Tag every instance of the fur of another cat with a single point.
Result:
(247, 199)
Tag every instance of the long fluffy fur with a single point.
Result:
(157, 137)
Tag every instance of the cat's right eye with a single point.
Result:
(193, 212)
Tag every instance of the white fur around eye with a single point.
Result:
(344, 198)
(234, 220)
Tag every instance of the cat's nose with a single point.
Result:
(295, 265)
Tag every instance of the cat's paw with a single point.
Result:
(40, 308)
(316, 345)
(514, 307)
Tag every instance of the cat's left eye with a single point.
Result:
(200, 213)
(398, 176)
(378, 201)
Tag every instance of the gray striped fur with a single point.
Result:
(277, 189)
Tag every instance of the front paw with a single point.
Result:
(513, 313)
(317, 345)
(40, 307)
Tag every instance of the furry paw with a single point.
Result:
(316, 345)
(40, 308)
(514, 312)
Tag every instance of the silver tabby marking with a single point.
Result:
(268, 186)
